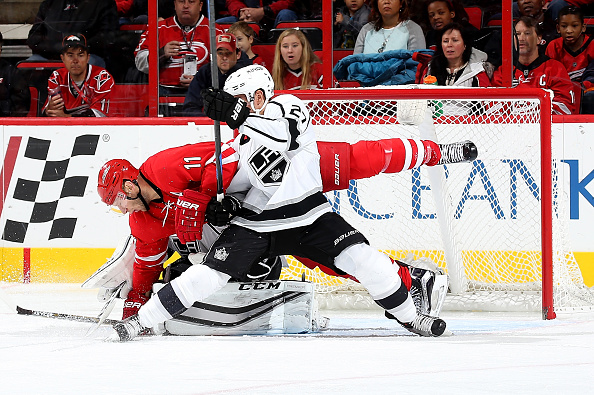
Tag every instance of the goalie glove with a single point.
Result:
(189, 215)
(221, 106)
(220, 213)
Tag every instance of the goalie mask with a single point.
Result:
(248, 80)
(111, 179)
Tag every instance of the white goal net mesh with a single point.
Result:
(479, 221)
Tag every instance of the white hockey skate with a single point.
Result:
(464, 151)
(423, 325)
(129, 328)
(429, 285)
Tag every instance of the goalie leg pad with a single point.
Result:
(252, 308)
(117, 269)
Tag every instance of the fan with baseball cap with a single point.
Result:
(227, 41)
(76, 40)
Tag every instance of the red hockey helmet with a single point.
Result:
(111, 178)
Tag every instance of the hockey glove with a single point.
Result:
(133, 303)
(189, 215)
(220, 213)
(221, 106)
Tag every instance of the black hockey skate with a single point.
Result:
(464, 151)
(129, 328)
(424, 325)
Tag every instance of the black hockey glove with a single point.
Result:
(220, 213)
(221, 106)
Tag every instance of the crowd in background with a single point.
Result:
(98, 56)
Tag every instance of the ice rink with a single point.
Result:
(361, 353)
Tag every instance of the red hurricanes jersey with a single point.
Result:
(292, 80)
(170, 172)
(575, 62)
(196, 41)
(95, 91)
(548, 74)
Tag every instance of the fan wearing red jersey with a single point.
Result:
(539, 71)
(574, 48)
(184, 43)
(79, 89)
(167, 195)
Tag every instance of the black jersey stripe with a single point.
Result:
(286, 212)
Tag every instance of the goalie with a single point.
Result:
(220, 212)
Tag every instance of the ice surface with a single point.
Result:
(361, 353)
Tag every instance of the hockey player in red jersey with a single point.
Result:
(283, 211)
(167, 194)
(575, 49)
(184, 43)
(539, 71)
(79, 89)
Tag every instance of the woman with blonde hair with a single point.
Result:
(296, 66)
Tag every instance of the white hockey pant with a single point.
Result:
(195, 284)
(379, 276)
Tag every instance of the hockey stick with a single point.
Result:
(62, 316)
(214, 71)
(106, 310)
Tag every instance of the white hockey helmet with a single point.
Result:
(247, 80)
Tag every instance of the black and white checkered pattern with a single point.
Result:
(51, 180)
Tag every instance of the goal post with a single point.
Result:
(496, 226)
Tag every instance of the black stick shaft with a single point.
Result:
(214, 70)
(62, 316)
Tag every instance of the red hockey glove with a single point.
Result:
(189, 215)
(220, 213)
(133, 303)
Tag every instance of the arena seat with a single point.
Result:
(475, 16)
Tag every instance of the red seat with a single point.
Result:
(128, 100)
(266, 53)
(299, 24)
(134, 27)
(475, 16)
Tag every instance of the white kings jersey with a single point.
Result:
(279, 168)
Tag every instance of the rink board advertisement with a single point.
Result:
(55, 229)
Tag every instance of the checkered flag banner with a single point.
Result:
(46, 178)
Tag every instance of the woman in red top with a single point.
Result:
(296, 66)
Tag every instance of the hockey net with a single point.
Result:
(482, 222)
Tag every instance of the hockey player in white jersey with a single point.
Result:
(283, 212)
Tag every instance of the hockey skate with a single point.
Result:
(464, 151)
(428, 290)
(129, 328)
(424, 325)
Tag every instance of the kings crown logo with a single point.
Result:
(221, 254)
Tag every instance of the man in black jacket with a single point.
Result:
(229, 59)
(14, 92)
(97, 20)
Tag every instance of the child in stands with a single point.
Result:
(296, 66)
(245, 35)
(574, 48)
(348, 22)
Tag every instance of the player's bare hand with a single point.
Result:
(172, 48)
(185, 80)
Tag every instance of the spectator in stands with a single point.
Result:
(56, 19)
(574, 48)
(348, 23)
(244, 34)
(389, 28)
(538, 71)
(15, 98)
(79, 89)
(296, 66)
(456, 62)
(535, 9)
(228, 56)
(136, 11)
(440, 13)
(184, 42)
(555, 6)
(266, 13)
